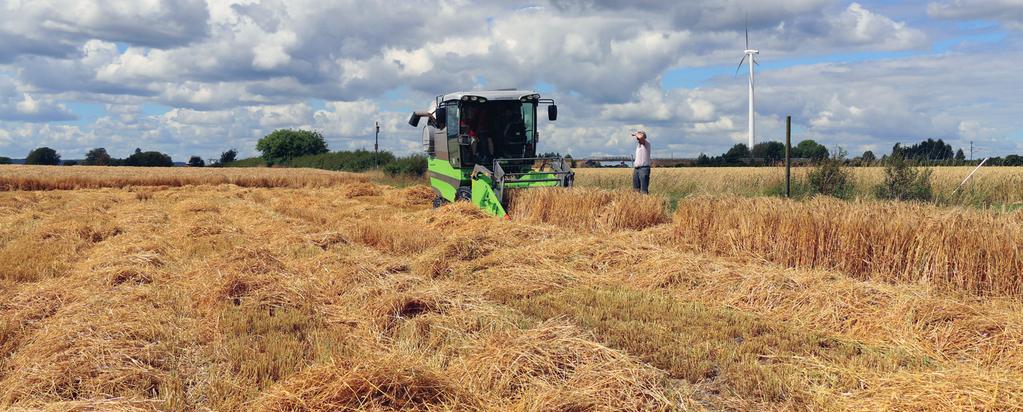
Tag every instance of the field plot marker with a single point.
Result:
(970, 175)
(788, 156)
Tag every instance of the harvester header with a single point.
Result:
(481, 144)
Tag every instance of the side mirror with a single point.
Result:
(440, 117)
(552, 112)
(414, 120)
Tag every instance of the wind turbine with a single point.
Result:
(751, 53)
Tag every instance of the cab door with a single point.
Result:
(453, 130)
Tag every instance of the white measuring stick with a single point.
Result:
(970, 175)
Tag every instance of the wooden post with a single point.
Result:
(788, 156)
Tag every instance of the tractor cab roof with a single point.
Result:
(503, 94)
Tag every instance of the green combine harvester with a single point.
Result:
(483, 144)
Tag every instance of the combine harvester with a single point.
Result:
(482, 144)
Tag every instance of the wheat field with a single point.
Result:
(989, 186)
(29, 177)
(348, 295)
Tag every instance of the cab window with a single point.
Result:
(452, 126)
(529, 118)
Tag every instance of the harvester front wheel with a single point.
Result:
(439, 201)
(463, 194)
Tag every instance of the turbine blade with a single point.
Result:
(747, 32)
(756, 62)
(740, 65)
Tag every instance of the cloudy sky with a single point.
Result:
(193, 77)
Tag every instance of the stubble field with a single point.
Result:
(311, 290)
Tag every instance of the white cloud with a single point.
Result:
(55, 27)
(1009, 12)
(28, 105)
(17, 104)
(273, 51)
(232, 70)
(859, 26)
(348, 119)
(719, 126)
(650, 105)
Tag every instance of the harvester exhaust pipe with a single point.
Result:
(414, 120)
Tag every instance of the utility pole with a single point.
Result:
(376, 146)
(971, 150)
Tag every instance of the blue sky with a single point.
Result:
(194, 77)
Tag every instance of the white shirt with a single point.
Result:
(642, 154)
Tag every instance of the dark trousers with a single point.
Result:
(641, 179)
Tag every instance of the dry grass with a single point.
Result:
(556, 367)
(588, 209)
(688, 180)
(990, 186)
(389, 383)
(353, 297)
(818, 340)
(966, 250)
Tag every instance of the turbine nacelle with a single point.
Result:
(748, 51)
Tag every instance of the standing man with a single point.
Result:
(641, 165)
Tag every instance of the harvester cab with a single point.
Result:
(483, 144)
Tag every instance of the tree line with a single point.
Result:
(100, 157)
(304, 148)
(937, 152)
(765, 153)
(281, 148)
(929, 152)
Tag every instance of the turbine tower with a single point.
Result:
(751, 53)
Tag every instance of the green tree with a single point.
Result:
(5, 160)
(927, 150)
(1013, 160)
(97, 157)
(285, 144)
(228, 157)
(196, 161)
(868, 157)
(702, 160)
(810, 149)
(737, 153)
(148, 159)
(898, 151)
(960, 156)
(43, 156)
(771, 152)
